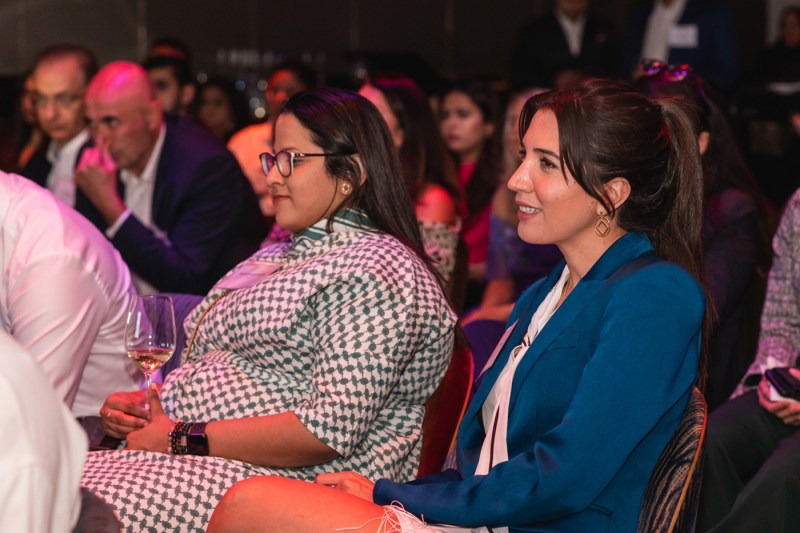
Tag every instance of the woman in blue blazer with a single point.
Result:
(600, 357)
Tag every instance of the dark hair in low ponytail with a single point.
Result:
(609, 129)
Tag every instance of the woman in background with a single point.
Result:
(571, 446)
(468, 116)
(427, 169)
(736, 230)
(511, 263)
(221, 108)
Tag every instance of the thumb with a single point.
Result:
(154, 401)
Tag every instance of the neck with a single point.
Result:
(581, 256)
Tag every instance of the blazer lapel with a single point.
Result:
(626, 249)
(490, 374)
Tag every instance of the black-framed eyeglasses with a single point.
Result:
(653, 67)
(285, 160)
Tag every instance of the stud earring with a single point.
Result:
(346, 188)
(602, 225)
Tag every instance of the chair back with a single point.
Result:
(671, 499)
(444, 410)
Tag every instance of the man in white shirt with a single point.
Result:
(42, 449)
(178, 208)
(562, 44)
(700, 33)
(60, 76)
(64, 295)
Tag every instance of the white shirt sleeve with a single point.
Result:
(56, 309)
(114, 228)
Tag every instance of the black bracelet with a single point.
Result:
(177, 438)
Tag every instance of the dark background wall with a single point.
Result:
(454, 37)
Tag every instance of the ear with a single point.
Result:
(702, 141)
(398, 136)
(154, 114)
(187, 95)
(357, 159)
(617, 190)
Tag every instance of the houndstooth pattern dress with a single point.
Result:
(352, 334)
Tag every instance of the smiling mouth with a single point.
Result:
(528, 210)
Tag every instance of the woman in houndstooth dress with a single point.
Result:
(312, 356)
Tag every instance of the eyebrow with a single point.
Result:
(547, 152)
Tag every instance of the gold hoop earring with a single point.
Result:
(602, 225)
(346, 188)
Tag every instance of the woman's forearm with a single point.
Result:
(277, 440)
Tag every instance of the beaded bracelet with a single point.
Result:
(177, 438)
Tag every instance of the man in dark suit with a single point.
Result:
(171, 199)
(698, 32)
(60, 75)
(562, 44)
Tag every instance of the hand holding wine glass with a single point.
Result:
(150, 332)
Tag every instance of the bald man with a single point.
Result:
(171, 199)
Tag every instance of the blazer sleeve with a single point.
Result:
(205, 222)
(644, 363)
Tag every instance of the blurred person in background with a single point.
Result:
(468, 121)
(511, 263)
(172, 80)
(61, 74)
(167, 194)
(562, 44)
(427, 168)
(220, 108)
(736, 229)
(284, 80)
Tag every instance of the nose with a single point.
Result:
(273, 178)
(49, 109)
(519, 181)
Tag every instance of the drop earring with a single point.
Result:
(602, 225)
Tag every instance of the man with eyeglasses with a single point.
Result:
(60, 76)
(177, 207)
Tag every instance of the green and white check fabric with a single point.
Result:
(352, 334)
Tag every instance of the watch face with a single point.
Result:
(197, 441)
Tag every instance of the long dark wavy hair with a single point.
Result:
(343, 122)
(478, 193)
(610, 129)
(423, 154)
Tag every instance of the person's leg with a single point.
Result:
(266, 504)
(740, 437)
(769, 501)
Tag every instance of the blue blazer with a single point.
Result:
(593, 403)
(716, 56)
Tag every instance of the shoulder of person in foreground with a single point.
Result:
(42, 449)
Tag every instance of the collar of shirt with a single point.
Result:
(671, 12)
(573, 30)
(346, 220)
(57, 152)
(149, 173)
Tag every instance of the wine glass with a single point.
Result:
(150, 332)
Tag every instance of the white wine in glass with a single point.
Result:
(150, 332)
